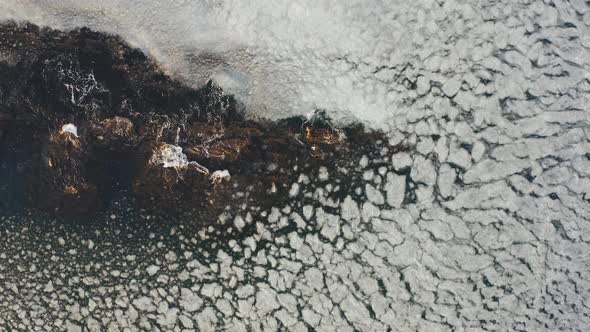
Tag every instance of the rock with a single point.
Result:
(168, 182)
(99, 116)
(59, 182)
(220, 176)
(214, 141)
(116, 134)
(169, 156)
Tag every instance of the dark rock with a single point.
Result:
(96, 116)
(170, 184)
(59, 182)
(115, 134)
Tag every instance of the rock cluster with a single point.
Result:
(95, 113)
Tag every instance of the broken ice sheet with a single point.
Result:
(478, 221)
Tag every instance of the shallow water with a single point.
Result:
(483, 224)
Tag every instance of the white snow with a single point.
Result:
(70, 128)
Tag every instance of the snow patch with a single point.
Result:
(70, 128)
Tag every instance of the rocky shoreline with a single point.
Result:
(95, 116)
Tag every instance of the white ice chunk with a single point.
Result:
(152, 270)
(294, 191)
(323, 175)
(169, 156)
(220, 176)
(239, 222)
